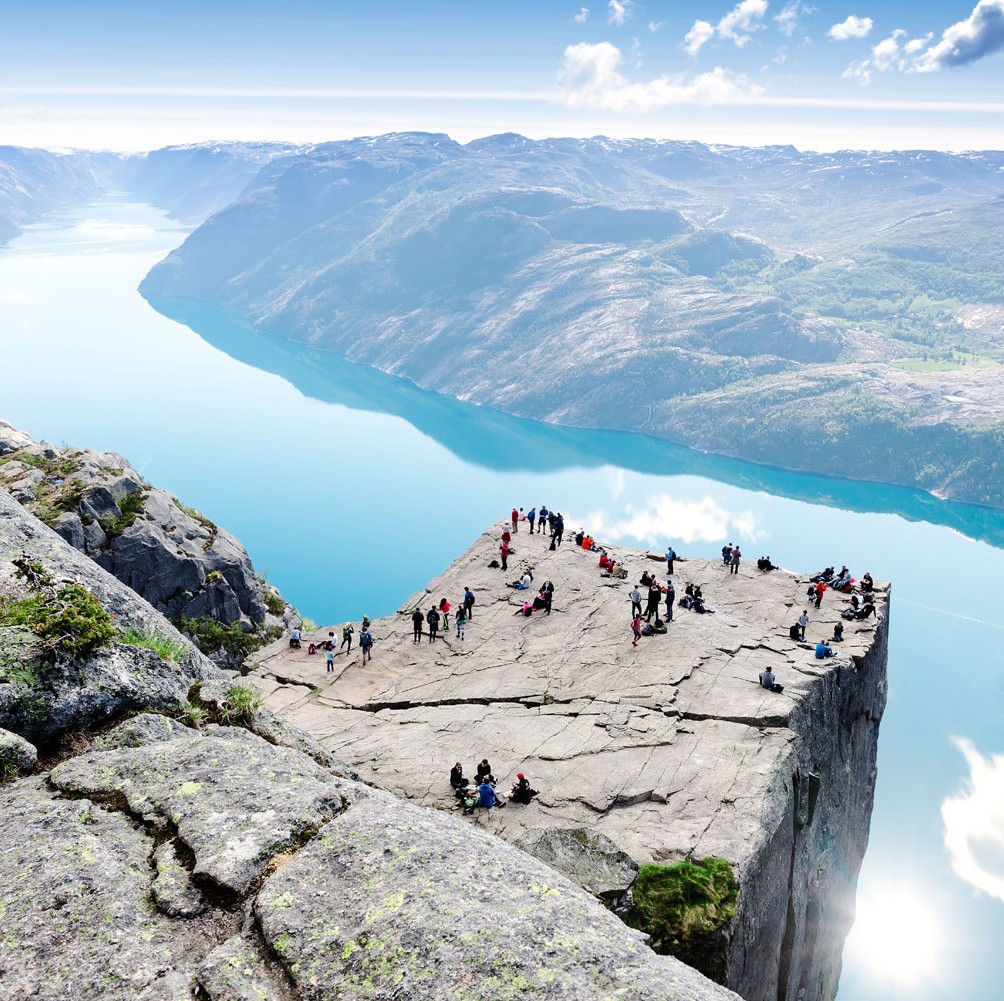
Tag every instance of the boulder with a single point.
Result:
(587, 858)
(234, 799)
(17, 756)
(142, 729)
(173, 891)
(237, 971)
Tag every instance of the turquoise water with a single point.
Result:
(352, 489)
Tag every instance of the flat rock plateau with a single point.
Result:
(672, 750)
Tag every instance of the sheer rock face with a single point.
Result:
(175, 558)
(671, 749)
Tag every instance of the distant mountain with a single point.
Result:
(34, 182)
(837, 312)
(193, 182)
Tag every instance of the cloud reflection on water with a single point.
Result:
(974, 822)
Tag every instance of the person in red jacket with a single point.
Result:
(820, 589)
(515, 520)
(504, 554)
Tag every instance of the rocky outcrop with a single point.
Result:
(180, 860)
(672, 750)
(177, 559)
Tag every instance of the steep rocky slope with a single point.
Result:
(668, 287)
(190, 569)
(672, 751)
(220, 854)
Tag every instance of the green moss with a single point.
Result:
(131, 506)
(684, 907)
(274, 603)
(214, 636)
(69, 620)
(240, 705)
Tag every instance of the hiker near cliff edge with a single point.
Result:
(670, 556)
(504, 554)
(542, 519)
(532, 517)
(417, 618)
(515, 520)
(347, 630)
(366, 644)
(432, 617)
(469, 603)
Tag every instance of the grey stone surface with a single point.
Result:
(410, 904)
(671, 749)
(17, 756)
(78, 921)
(588, 859)
(144, 728)
(233, 798)
(173, 891)
(237, 971)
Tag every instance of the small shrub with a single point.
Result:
(274, 603)
(240, 705)
(308, 625)
(214, 577)
(70, 621)
(214, 636)
(194, 715)
(131, 506)
(8, 767)
(165, 647)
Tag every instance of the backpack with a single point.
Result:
(647, 629)
(432, 617)
(660, 626)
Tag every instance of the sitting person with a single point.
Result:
(525, 581)
(486, 795)
(646, 579)
(823, 650)
(525, 609)
(484, 771)
(687, 601)
(521, 791)
(457, 779)
(854, 602)
(540, 602)
(838, 633)
(795, 632)
(604, 562)
(865, 611)
(698, 593)
(867, 584)
(579, 536)
(767, 680)
(689, 590)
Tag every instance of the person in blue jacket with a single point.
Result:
(486, 794)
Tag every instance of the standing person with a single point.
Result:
(469, 603)
(417, 618)
(444, 611)
(636, 630)
(532, 517)
(366, 644)
(432, 617)
(727, 553)
(347, 630)
(654, 600)
(506, 535)
(331, 657)
(559, 528)
(820, 589)
(542, 519)
(635, 595)
(670, 598)
(548, 596)
(734, 560)
(552, 520)
(515, 521)
(803, 622)
(461, 622)
(504, 554)
(670, 556)
(366, 622)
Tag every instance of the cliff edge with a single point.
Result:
(671, 750)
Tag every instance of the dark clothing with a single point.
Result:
(521, 792)
(485, 772)
(654, 600)
(469, 604)
(457, 779)
(670, 598)
(416, 620)
(432, 617)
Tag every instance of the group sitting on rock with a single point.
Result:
(693, 598)
(765, 564)
(484, 792)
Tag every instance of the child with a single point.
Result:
(636, 629)
(331, 657)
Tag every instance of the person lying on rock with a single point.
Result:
(824, 575)
(521, 791)
(767, 680)
(525, 609)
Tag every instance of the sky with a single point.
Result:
(867, 74)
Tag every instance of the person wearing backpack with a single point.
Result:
(670, 556)
(366, 644)
(347, 630)
(469, 603)
(461, 621)
(432, 617)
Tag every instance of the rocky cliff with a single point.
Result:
(186, 566)
(201, 847)
(668, 752)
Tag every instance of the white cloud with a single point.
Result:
(892, 54)
(787, 20)
(654, 26)
(974, 822)
(852, 27)
(582, 16)
(742, 20)
(981, 34)
(620, 11)
(590, 78)
(699, 34)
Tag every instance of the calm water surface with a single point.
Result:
(352, 489)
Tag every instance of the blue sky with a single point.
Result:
(820, 75)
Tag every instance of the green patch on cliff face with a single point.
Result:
(131, 506)
(685, 908)
(231, 637)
